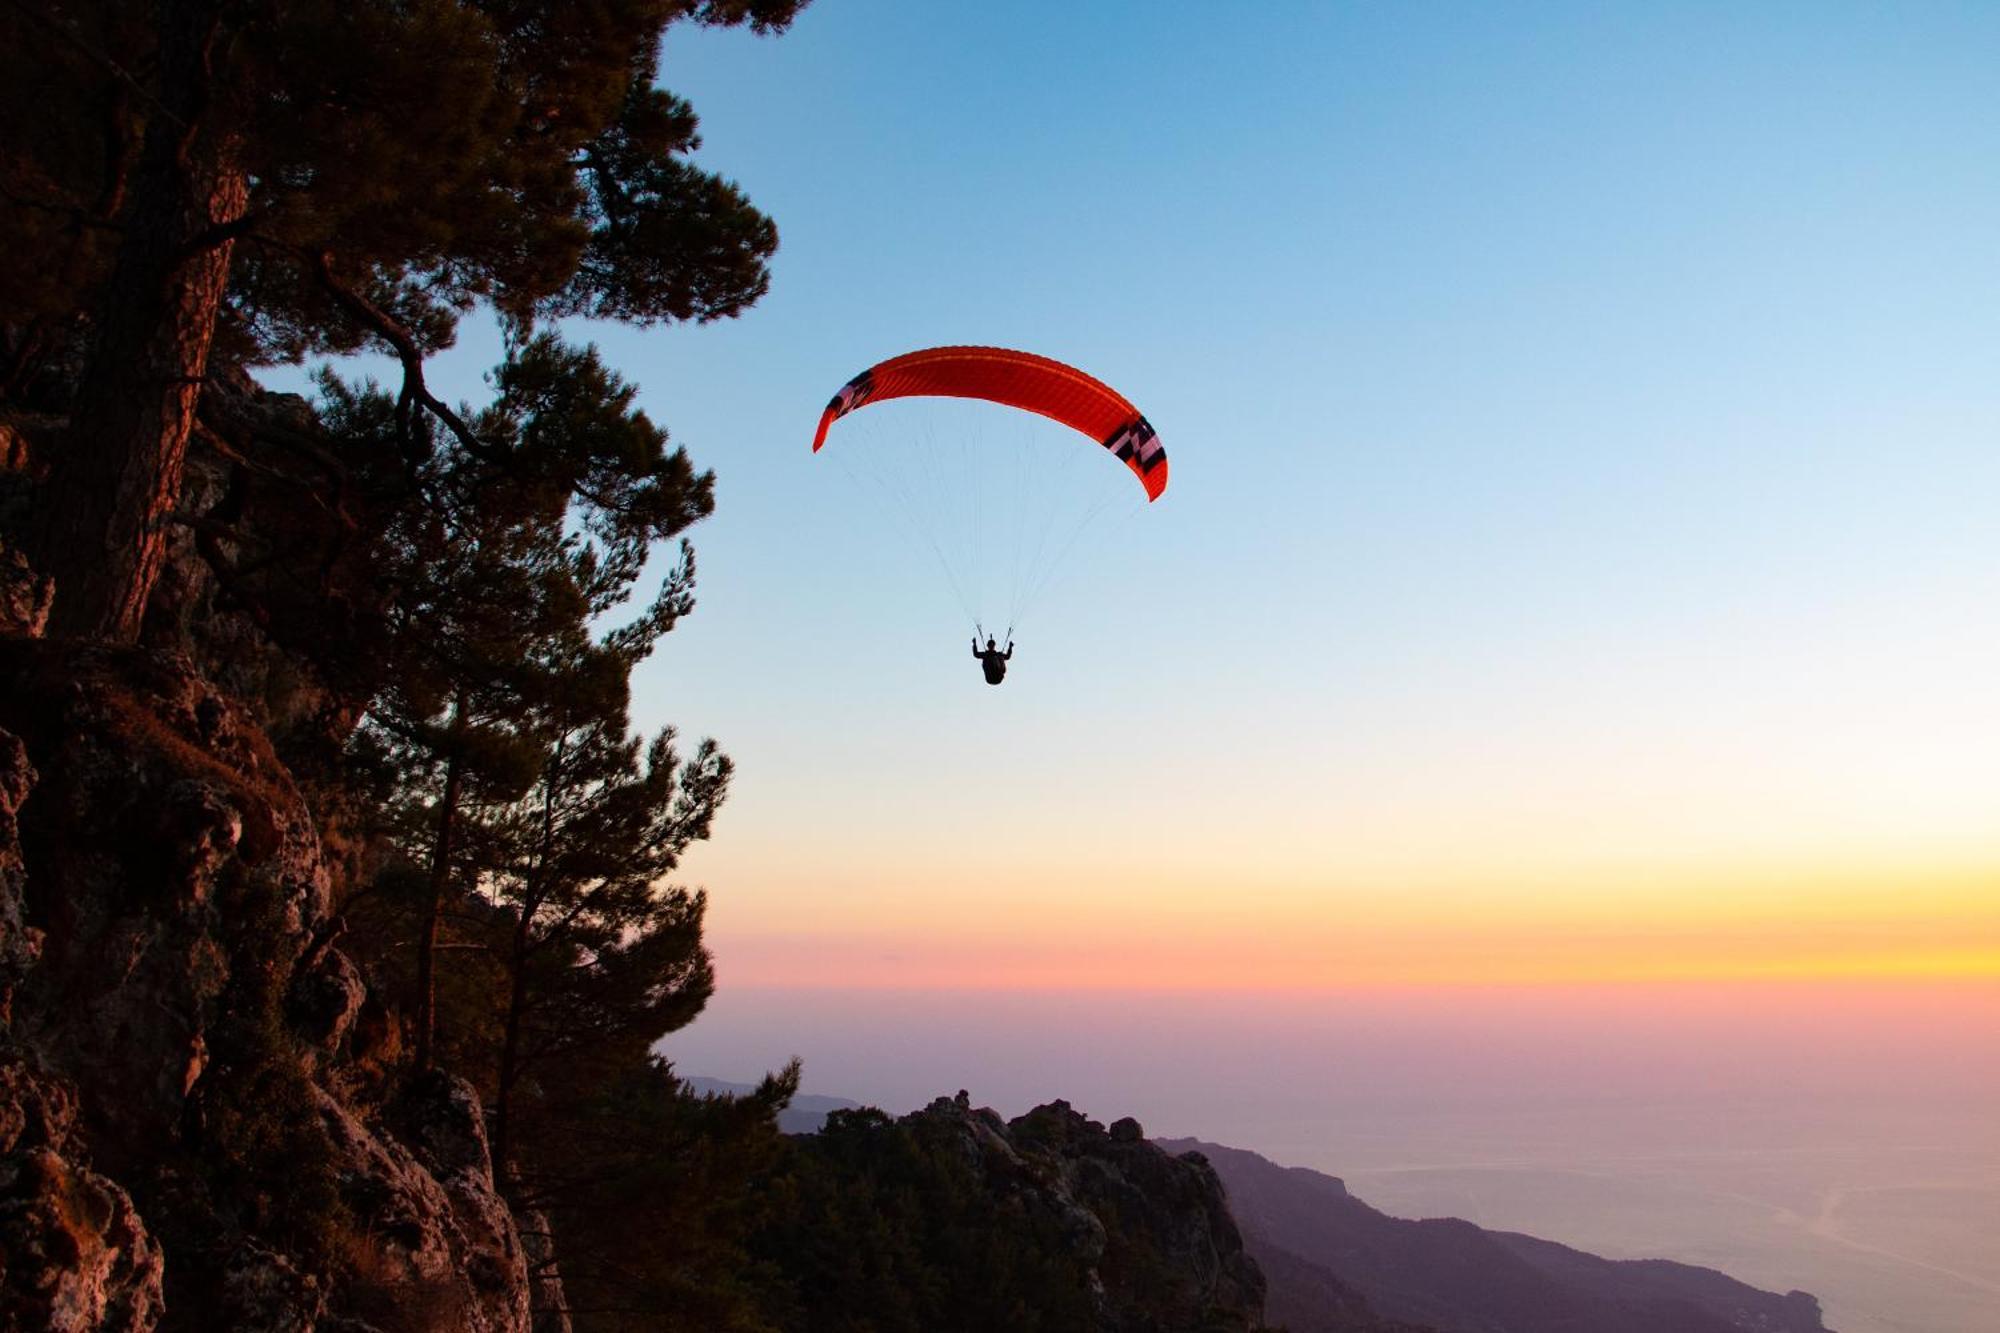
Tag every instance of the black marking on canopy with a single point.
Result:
(853, 394)
(1130, 439)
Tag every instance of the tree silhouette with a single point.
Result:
(603, 959)
(271, 182)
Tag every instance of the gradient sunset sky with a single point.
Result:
(1581, 563)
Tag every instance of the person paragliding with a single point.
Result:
(1025, 381)
(991, 659)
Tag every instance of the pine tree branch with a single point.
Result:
(236, 229)
(386, 327)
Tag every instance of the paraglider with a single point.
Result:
(941, 494)
(1015, 379)
(991, 660)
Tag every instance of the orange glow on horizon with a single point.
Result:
(1125, 934)
(883, 960)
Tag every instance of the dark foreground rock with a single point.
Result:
(177, 1148)
(1169, 1250)
(952, 1217)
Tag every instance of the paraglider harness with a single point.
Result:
(991, 660)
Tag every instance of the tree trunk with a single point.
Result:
(440, 881)
(510, 1044)
(100, 523)
(517, 963)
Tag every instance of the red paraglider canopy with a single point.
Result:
(1014, 379)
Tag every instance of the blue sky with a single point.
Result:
(1506, 356)
(1583, 422)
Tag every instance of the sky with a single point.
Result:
(1579, 567)
(1579, 563)
(1564, 670)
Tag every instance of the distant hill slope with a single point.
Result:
(1302, 1297)
(1303, 1228)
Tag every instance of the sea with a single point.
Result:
(1843, 1140)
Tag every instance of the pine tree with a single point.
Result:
(603, 958)
(503, 571)
(661, 1203)
(269, 182)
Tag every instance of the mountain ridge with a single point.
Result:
(1462, 1278)
(1334, 1264)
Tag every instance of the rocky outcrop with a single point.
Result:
(74, 1254)
(174, 1147)
(20, 943)
(429, 1232)
(159, 823)
(1152, 1227)
(25, 598)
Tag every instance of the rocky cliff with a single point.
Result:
(1164, 1251)
(952, 1217)
(187, 1137)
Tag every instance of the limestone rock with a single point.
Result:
(327, 997)
(442, 1243)
(25, 597)
(1154, 1227)
(264, 1292)
(76, 1255)
(20, 943)
(164, 937)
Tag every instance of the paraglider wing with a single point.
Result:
(1015, 379)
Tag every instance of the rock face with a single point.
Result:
(175, 1146)
(74, 1254)
(1152, 1227)
(953, 1218)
